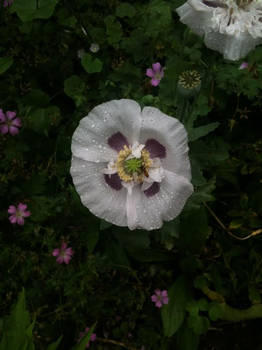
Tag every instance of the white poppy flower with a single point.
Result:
(131, 167)
(230, 27)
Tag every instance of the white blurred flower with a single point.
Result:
(231, 27)
(130, 166)
(80, 53)
(94, 48)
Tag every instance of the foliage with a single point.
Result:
(51, 78)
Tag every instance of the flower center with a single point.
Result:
(158, 76)
(130, 168)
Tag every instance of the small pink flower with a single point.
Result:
(8, 3)
(156, 73)
(244, 65)
(18, 214)
(64, 254)
(160, 298)
(9, 123)
(92, 337)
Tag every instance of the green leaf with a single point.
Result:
(74, 87)
(199, 324)
(55, 345)
(113, 30)
(173, 313)
(187, 339)
(5, 64)
(90, 65)
(41, 120)
(17, 330)
(125, 10)
(27, 10)
(92, 237)
(215, 311)
(82, 344)
(36, 98)
(201, 131)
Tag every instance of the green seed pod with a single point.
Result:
(189, 83)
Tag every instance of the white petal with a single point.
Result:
(102, 200)
(156, 174)
(136, 150)
(164, 205)
(129, 186)
(172, 135)
(90, 138)
(131, 204)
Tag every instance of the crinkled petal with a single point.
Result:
(154, 298)
(156, 67)
(90, 140)
(67, 258)
(17, 122)
(132, 200)
(172, 135)
(22, 206)
(12, 209)
(26, 213)
(60, 259)
(56, 252)
(164, 205)
(2, 116)
(150, 73)
(13, 130)
(158, 304)
(155, 82)
(10, 115)
(13, 219)
(164, 293)
(100, 198)
(20, 220)
(4, 129)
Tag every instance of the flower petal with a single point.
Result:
(117, 141)
(22, 206)
(11, 209)
(156, 67)
(150, 73)
(17, 122)
(96, 194)
(164, 205)
(91, 136)
(56, 252)
(4, 129)
(12, 219)
(113, 181)
(13, 130)
(2, 116)
(172, 136)
(155, 149)
(20, 220)
(155, 82)
(131, 207)
(10, 115)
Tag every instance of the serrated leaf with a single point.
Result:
(91, 65)
(5, 64)
(200, 131)
(173, 313)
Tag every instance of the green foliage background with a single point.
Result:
(52, 79)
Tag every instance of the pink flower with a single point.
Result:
(156, 73)
(8, 123)
(92, 338)
(64, 254)
(8, 3)
(18, 214)
(243, 65)
(160, 297)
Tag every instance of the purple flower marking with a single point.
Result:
(156, 73)
(92, 337)
(9, 123)
(64, 254)
(8, 3)
(160, 298)
(18, 214)
(244, 65)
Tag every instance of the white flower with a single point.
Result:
(131, 167)
(94, 48)
(230, 27)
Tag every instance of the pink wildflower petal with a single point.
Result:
(13, 130)
(150, 73)
(243, 65)
(60, 260)
(165, 300)
(4, 129)
(159, 304)
(11, 209)
(93, 337)
(154, 298)
(20, 221)
(155, 82)
(63, 246)
(22, 206)
(156, 66)
(56, 252)
(67, 259)
(13, 219)
(2, 116)
(26, 213)
(158, 292)
(164, 293)
(17, 122)
(10, 115)
(69, 251)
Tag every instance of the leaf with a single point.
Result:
(125, 10)
(201, 131)
(74, 87)
(173, 313)
(27, 10)
(113, 30)
(90, 65)
(83, 342)
(199, 324)
(36, 98)
(17, 330)
(5, 64)
(55, 345)
(215, 311)
(92, 237)
(187, 339)
(41, 120)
